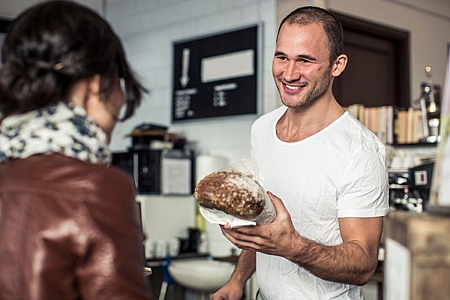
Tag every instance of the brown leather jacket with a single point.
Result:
(69, 230)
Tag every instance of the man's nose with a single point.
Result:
(292, 71)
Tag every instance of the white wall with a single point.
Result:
(148, 29)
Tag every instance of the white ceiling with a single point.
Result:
(11, 8)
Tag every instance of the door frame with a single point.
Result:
(400, 39)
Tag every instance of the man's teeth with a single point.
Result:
(292, 87)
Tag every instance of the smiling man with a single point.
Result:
(327, 171)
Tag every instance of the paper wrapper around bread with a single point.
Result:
(241, 184)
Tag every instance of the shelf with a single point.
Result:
(421, 144)
(398, 186)
(439, 210)
(398, 170)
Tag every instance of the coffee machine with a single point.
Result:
(409, 189)
(420, 178)
(158, 161)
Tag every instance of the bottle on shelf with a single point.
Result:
(430, 109)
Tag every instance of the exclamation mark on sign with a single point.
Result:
(185, 67)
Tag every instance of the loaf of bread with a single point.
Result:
(231, 192)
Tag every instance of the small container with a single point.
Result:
(173, 247)
(161, 249)
(149, 247)
(203, 247)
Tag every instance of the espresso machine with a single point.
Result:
(420, 181)
(409, 189)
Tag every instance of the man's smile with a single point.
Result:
(293, 88)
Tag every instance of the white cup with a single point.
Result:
(408, 162)
(174, 247)
(149, 247)
(397, 162)
(161, 249)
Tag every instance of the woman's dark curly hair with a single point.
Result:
(53, 45)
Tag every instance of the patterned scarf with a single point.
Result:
(59, 128)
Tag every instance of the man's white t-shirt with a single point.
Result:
(338, 172)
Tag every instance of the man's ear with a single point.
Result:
(339, 65)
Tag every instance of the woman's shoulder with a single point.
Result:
(71, 174)
(70, 166)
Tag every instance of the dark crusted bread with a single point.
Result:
(232, 193)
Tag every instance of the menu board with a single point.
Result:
(216, 76)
